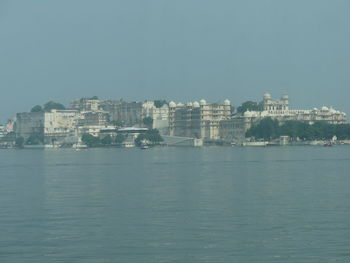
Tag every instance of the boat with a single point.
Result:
(328, 144)
(78, 146)
(144, 147)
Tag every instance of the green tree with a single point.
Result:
(19, 142)
(269, 129)
(148, 122)
(117, 123)
(107, 140)
(37, 108)
(35, 139)
(120, 138)
(342, 131)
(152, 136)
(266, 129)
(51, 105)
(90, 140)
(160, 103)
(250, 106)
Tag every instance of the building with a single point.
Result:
(2, 131)
(198, 120)
(96, 130)
(233, 129)
(94, 118)
(159, 115)
(279, 110)
(86, 104)
(236, 128)
(280, 106)
(51, 126)
(128, 113)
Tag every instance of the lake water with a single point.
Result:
(282, 204)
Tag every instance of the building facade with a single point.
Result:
(198, 119)
(129, 113)
(51, 126)
(159, 115)
(86, 104)
(94, 118)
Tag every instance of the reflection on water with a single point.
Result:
(283, 204)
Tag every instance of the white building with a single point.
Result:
(236, 128)
(198, 119)
(52, 126)
(160, 115)
(280, 110)
(2, 131)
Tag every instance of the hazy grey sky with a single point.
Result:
(174, 49)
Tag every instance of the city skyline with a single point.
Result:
(68, 105)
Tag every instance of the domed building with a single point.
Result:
(236, 128)
(270, 105)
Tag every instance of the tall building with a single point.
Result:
(198, 120)
(159, 115)
(54, 125)
(280, 106)
(130, 113)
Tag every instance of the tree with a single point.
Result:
(51, 105)
(293, 129)
(148, 122)
(152, 136)
(266, 129)
(120, 138)
(37, 108)
(107, 140)
(117, 123)
(19, 142)
(35, 139)
(270, 129)
(90, 140)
(250, 106)
(160, 103)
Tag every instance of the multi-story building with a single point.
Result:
(86, 104)
(129, 113)
(133, 113)
(198, 120)
(2, 131)
(51, 126)
(159, 115)
(94, 118)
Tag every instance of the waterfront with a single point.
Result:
(274, 204)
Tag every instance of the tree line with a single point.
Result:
(268, 129)
(51, 105)
(150, 137)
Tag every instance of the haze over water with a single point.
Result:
(283, 204)
(181, 50)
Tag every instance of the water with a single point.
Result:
(283, 204)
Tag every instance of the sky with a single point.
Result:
(179, 50)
